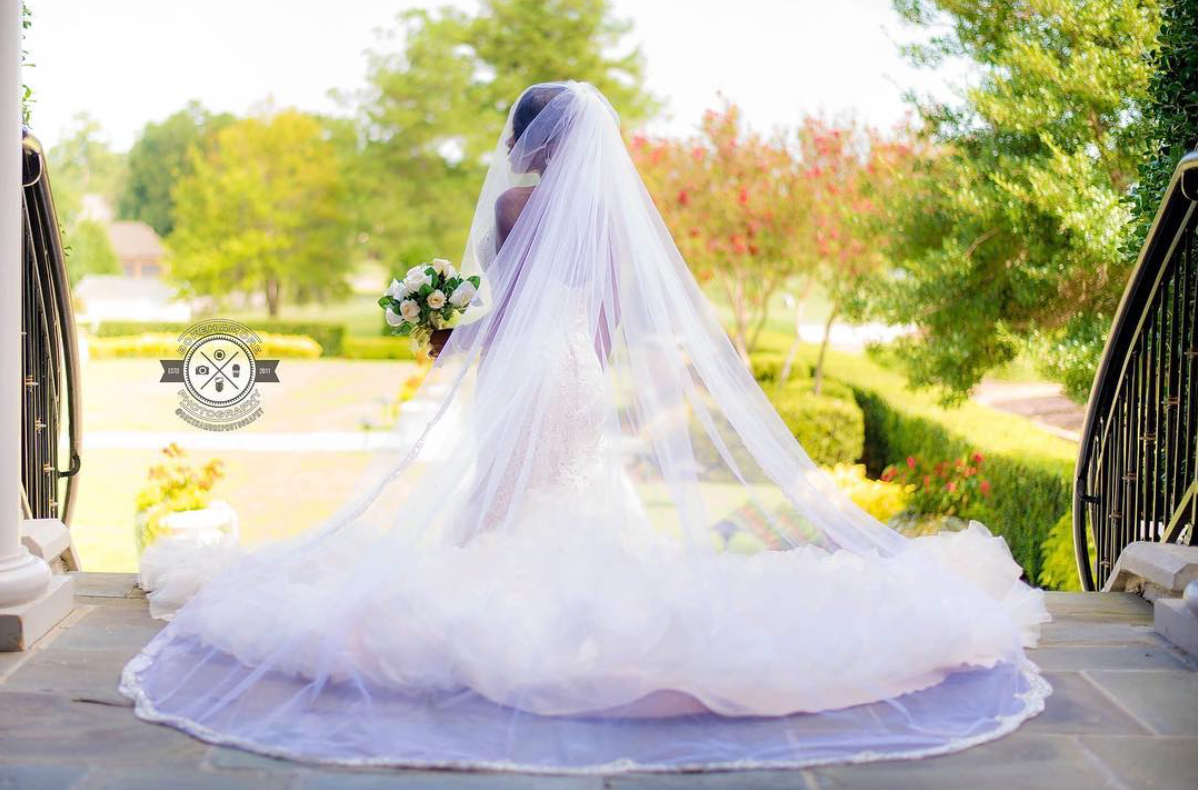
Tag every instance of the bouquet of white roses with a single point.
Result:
(430, 296)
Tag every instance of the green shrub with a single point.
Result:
(329, 336)
(1059, 570)
(831, 430)
(173, 486)
(828, 389)
(1030, 492)
(159, 345)
(1030, 470)
(941, 487)
(377, 348)
(767, 367)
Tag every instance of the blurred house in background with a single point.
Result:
(137, 247)
(120, 297)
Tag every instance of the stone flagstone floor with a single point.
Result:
(1124, 715)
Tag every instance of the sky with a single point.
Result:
(129, 62)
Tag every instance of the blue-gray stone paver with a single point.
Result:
(1124, 716)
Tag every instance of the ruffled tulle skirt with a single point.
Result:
(552, 649)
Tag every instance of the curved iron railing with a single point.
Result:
(1137, 466)
(50, 354)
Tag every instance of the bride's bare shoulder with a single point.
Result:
(508, 208)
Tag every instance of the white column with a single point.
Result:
(23, 577)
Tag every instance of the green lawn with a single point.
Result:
(279, 494)
(312, 395)
(276, 494)
(359, 313)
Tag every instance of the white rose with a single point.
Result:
(398, 290)
(393, 318)
(436, 299)
(441, 266)
(463, 294)
(450, 272)
(409, 309)
(416, 279)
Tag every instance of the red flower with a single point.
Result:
(744, 195)
(911, 461)
(977, 458)
(985, 486)
(951, 486)
(683, 198)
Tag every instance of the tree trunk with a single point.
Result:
(272, 297)
(823, 349)
(800, 305)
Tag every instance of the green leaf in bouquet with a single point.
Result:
(425, 290)
(475, 280)
(385, 302)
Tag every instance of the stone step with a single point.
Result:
(1154, 570)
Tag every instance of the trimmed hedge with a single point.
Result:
(377, 348)
(1030, 494)
(831, 430)
(767, 367)
(1030, 471)
(160, 345)
(330, 336)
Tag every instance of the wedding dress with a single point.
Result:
(537, 577)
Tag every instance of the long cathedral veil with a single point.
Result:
(549, 567)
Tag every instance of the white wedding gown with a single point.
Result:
(554, 596)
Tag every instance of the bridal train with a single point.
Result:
(531, 577)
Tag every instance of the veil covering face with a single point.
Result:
(590, 544)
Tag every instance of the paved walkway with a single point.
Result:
(1124, 716)
(1042, 402)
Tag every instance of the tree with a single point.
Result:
(89, 251)
(1170, 115)
(1013, 233)
(738, 210)
(263, 211)
(82, 163)
(752, 216)
(850, 172)
(158, 158)
(435, 104)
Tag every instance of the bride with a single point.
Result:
(537, 575)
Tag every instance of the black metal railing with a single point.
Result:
(1137, 467)
(50, 377)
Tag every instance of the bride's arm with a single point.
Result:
(507, 211)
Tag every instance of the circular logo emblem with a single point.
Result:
(219, 370)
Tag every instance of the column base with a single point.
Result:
(23, 624)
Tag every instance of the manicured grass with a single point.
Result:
(997, 430)
(276, 495)
(1030, 470)
(312, 395)
(360, 313)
